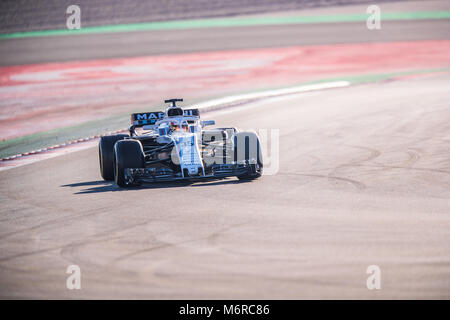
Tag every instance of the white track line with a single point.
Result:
(245, 98)
(207, 106)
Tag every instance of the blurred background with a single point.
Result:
(130, 55)
(363, 169)
(23, 15)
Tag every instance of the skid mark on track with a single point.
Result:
(373, 153)
(355, 183)
(413, 156)
(97, 238)
(405, 168)
(68, 251)
(31, 253)
(333, 174)
(157, 278)
(425, 178)
(57, 221)
(210, 238)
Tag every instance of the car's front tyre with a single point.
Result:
(106, 155)
(248, 149)
(128, 154)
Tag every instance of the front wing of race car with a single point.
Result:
(216, 171)
(191, 165)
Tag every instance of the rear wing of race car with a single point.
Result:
(150, 118)
(146, 118)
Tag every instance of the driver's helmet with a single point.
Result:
(174, 126)
(174, 112)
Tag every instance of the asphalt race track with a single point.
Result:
(363, 180)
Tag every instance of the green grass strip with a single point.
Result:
(229, 22)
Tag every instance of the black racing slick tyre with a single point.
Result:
(128, 154)
(248, 149)
(106, 155)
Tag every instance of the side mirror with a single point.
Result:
(132, 130)
(208, 123)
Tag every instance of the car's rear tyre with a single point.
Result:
(247, 148)
(128, 154)
(106, 155)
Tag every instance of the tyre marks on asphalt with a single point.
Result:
(334, 176)
(331, 179)
(209, 238)
(303, 233)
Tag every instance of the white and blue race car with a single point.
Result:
(173, 145)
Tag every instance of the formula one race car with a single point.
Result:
(173, 145)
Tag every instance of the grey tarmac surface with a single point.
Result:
(364, 179)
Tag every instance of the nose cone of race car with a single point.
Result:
(192, 171)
